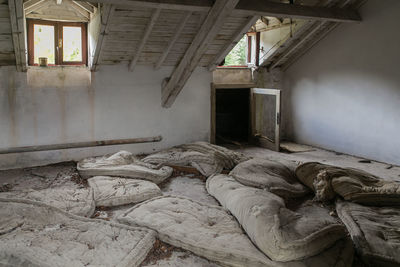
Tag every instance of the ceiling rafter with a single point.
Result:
(32, 8)
(143, 41)
(81, 10)
(107, 13)
(250, 8)
(16, 9)
(305, 38)
(173, 40)
(32, 3)
(173, 86)
(85, 5)
(235, 39)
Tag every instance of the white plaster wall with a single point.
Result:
(345, 92)
(61, 105)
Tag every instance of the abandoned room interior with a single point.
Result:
(199, 133)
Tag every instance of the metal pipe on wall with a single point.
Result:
(80, 145)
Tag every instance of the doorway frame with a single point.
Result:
(213, 119)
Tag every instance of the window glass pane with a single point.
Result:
(72, 44)
(44, 43)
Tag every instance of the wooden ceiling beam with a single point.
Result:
(107, 13)
(250, 8)
(209, 29)
(143, 41)
(84, 5)
(16, 8)
(303, 39)
(300, 39)
(35, 7)
(173, 40)
(81, 11)
(233, 42)
(31, 3)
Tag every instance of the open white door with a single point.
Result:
(265, 117)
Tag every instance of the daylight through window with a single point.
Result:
(60, 42)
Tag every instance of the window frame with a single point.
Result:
(58, 36)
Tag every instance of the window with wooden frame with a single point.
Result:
(62, 43)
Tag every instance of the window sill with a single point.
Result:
(234, 67)
(60, 67)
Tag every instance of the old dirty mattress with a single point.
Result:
(36, 234)
(273, 176)
(282, 234)
(68, 197)
(123, 164)
(375, 232)
(352, 184)
(211, 232)
(114, 191)
(205, 157)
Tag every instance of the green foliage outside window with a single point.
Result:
(237, 57)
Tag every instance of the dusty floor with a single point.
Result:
(182, 184)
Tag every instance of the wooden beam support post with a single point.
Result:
(171, 43)
(147, 32)
(107, 13)
(215, 19)
(229, 46)
(250, 8)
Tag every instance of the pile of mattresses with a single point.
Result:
(52, 226)
(368, 206)
(270, 213)
(253, 227)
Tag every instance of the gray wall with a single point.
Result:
(345, 92)
(60, 105)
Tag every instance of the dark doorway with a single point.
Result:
(232, 115)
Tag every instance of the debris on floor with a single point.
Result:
(165, 255)
(295, 148)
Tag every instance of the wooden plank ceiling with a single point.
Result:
(128, 26)
(7, 54)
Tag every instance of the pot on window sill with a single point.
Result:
(43, 61)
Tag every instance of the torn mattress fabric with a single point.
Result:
(352, 184)
(375, 232)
